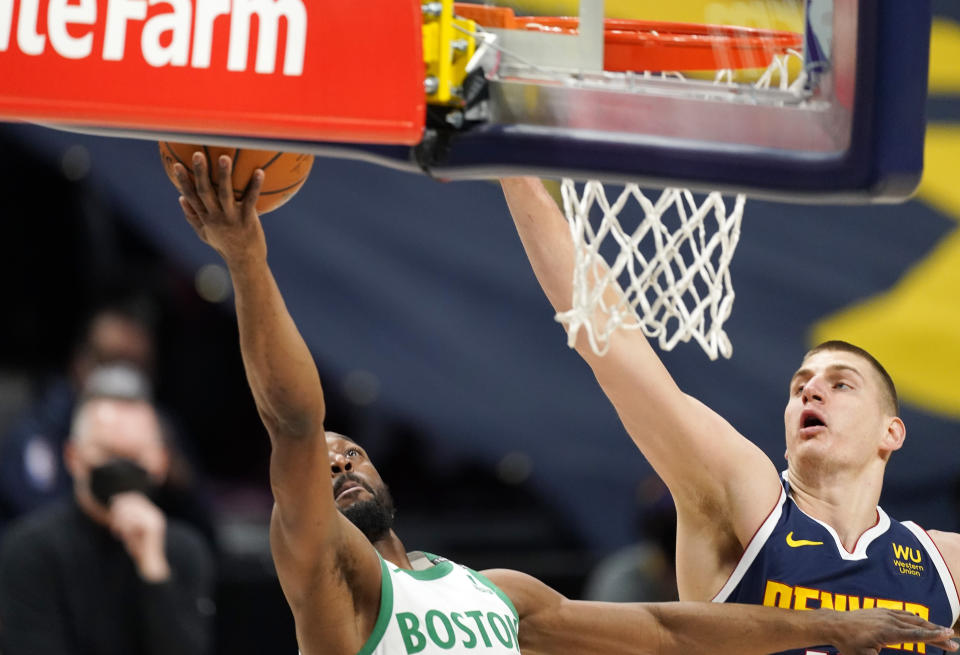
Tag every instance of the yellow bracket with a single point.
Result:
(446, 52)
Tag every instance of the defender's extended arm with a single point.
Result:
(723, 485)
(550, 624)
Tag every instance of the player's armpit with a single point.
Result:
(334, 592)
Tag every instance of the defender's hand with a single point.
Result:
(230, 226)
(141, 527)
(865, 632)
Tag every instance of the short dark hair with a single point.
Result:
(889, 387)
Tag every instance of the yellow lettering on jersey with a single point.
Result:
(777, 594)
(906, 553)
(801, 595)
(826, 600)
(907, 560)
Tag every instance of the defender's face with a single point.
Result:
(836, 413)
(354, 476)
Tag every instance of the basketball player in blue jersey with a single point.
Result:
(350, 582)
(811, 538)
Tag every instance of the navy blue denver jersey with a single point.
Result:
(795, 561)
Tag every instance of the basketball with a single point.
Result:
(285, 172)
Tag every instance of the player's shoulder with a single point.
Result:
(527, 594)
(948, 543)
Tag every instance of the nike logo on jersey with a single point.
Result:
(796, 543)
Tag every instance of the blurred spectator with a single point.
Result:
(643, 572)
(32, 471)
(107, 572)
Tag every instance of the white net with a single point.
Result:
(660, 264)
(671, 276)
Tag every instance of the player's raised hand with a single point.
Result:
(865, 632)
(232, 227)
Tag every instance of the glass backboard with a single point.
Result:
(810, 100)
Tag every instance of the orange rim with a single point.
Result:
(640, 45)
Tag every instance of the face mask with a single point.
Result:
(117, 476)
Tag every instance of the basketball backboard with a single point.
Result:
(850, 129)
(319, 78)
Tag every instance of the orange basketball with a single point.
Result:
(285, 171)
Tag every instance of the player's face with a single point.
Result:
(354, 476)
(358, 491)
(836, 416)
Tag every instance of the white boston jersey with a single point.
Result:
(442, 608)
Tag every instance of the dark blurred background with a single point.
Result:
(439, 353)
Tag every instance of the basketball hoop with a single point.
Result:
(667, 271)
(645, 45)
(660, 263)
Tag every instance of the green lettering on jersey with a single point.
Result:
(477, 616)
(506, 637)
(409, 625)
(431, 621)
(513, 624)
(472, 638)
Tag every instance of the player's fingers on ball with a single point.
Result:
(224, 180)
(191, 215)
(252, 192)
(181, 178)
(189, 192)
(193, 201)
(204, 187)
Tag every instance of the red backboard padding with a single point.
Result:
(291, 69)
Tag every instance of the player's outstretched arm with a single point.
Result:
(550, 624)
(309, 537)
(724, 485)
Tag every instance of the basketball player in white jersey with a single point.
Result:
(814, 537)
(350, 582)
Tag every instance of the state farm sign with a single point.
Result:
(267, 68)
(166, 39)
